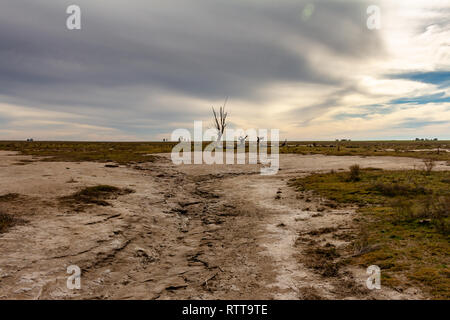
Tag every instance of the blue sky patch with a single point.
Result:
(433, 98)
(440, 78)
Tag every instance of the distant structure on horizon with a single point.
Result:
(30, 140)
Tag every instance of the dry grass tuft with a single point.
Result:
(355, 172)
(9, 197)
(404, 222)
(7, 221)
(430, 163)
(322, 259)
(96, 195)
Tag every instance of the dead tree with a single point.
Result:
(242, 140)
(220, 120)
(429, 165)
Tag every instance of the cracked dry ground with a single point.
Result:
(187, 232)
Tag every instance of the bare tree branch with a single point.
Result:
(220, 120)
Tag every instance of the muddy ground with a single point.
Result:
(187, 232)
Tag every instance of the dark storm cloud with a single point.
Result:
(129, 52)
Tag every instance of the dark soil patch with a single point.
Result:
(96, 195)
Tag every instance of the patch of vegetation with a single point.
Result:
(7, 221)
(375, 187)
(404, 223)
(429, 163)
(355, 171)
(322, 259)
(96, 195)
(138, 152)
(118, 152)
(435, 150)
(394, 189)
(9, 197)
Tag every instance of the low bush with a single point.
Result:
(355, 172)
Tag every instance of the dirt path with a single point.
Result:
(188, 232)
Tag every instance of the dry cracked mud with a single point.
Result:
(186, 232)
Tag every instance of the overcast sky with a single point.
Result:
(139, 69)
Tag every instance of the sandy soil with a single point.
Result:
(188, 232)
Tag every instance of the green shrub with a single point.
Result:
(438, 210)
(398, 189)
(355, 172)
